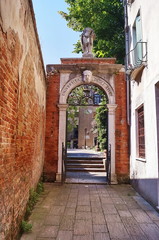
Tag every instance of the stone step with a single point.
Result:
(85, 170)
(85, 158)
(85, 166)
(84, 161)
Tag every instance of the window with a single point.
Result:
(137, 41)
(140, 133)
(96, 98)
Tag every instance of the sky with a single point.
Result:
(55, 37)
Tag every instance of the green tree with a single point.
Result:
(72, 112)
(106, 18)
(101, 119)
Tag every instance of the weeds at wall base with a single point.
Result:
(33, 198)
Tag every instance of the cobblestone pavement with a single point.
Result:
(92, 212)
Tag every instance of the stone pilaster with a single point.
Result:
(111, 139)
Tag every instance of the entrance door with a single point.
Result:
(87, 135)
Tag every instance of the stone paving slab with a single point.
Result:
(92, 212)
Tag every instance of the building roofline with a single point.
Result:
(37, 36)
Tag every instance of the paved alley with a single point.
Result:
(92, 212)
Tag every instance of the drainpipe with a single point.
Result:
(128, 86)
(126, 61)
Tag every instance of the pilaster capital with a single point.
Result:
(111, 108)
(62, 107)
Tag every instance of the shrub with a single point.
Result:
(26, 227)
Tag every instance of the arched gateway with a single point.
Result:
(62, 79)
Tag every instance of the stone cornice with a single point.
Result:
(80, 67)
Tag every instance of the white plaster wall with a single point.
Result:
(144, 92)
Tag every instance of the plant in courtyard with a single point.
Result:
(101, 119)
(72, 112)
(106, 18)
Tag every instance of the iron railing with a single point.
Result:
(108, 165)
(136, 57)
(64, 156)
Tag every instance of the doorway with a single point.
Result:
(87, 135)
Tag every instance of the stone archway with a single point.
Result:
(106, 85)
(62, 79)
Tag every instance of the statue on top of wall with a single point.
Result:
(87, 38)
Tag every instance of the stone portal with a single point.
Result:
(62, 79)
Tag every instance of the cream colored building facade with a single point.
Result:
(142, 68)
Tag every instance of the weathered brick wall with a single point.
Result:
(121, 130)
(52, 128)
(22, 112)
(121, 127)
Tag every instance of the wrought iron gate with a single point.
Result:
(64, 155)
(108, 165)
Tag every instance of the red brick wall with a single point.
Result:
(52, 128)
(121, 127)
(121, 130)
(22, 114)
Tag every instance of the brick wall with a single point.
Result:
(121, 130)
(22, 112)
(52, 128)
(121, 127)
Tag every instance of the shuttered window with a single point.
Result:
(140, 132)
(137, 39)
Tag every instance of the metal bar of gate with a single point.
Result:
(108, 164)
(63, 164)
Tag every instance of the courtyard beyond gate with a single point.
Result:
(86, 166)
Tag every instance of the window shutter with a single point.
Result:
(139, 39)
(138, 29)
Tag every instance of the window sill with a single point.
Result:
(141, 160)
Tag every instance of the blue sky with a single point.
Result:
(56, 38)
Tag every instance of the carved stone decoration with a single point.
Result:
(87, 76)
(71, 84)
(51, 71)
(87, 38)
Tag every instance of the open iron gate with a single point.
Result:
(108, 165)
(64, 155)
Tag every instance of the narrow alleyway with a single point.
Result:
(92, 212)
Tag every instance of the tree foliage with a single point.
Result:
(101, 119)
(78, 98)
(72, 112)
(106, 18)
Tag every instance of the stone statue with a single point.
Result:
(87, 76)
(87, 38)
